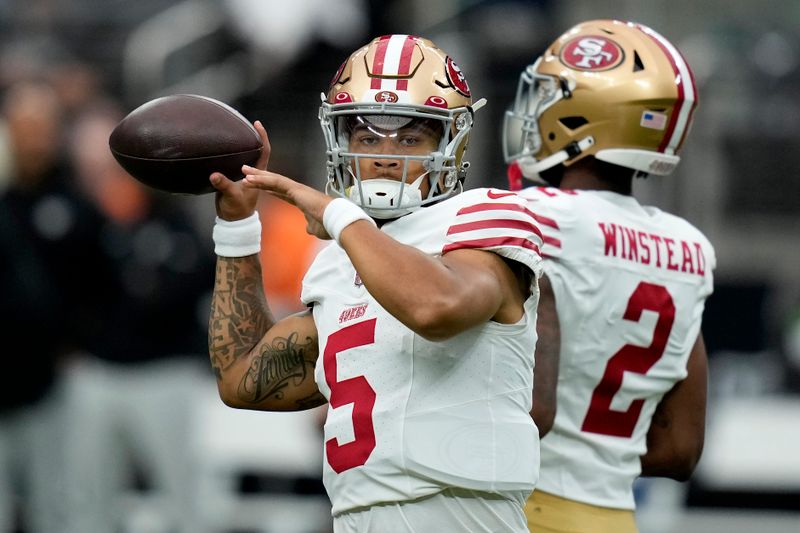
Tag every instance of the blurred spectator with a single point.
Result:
(77, 84)
(130, 400)
(47, 236)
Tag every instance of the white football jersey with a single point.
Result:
(630, 284)
(408, 417)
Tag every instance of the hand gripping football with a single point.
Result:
(174, 143)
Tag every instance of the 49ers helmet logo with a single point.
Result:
(386, 96)
(456, 77)
(592, 52)
(336, 76)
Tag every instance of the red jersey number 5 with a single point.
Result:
(355, 390)
(600, 418)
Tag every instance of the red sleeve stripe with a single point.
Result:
(497, 206)
(475, 208)
(495, 223)
(545, 221)
(493, 242)
(552, 241)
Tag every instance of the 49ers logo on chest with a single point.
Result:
(592, 52)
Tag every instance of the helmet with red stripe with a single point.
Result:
(394, 85)
(614, 90)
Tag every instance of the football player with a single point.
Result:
(419, 330)
(609, 101)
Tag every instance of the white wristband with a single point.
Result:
(237, 238)
(339, 214)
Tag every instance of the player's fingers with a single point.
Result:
(247, 170)
(266, 149)
(232, 201)
(219, 181)
(275, 184)
(264, 179)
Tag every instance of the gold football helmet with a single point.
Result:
(614, 90)
(394, 83)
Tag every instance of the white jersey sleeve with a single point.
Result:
(409, 417)
(497, 221)
(630, 284)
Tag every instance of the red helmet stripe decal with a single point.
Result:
(692, 89)
(405, 63)
(681, 116)
(378, 62)
(392, 58)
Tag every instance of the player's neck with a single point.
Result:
(590, 176)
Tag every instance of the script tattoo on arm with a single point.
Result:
(240, 315)
(282, 363)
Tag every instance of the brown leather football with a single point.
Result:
(175, 142)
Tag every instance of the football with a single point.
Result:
(175, 142)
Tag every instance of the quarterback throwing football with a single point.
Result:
(420, 325)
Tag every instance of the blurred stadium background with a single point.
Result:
(739, 182)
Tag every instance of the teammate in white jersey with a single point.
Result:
(420, 330)
(609, 101)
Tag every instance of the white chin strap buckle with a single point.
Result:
(531, 168)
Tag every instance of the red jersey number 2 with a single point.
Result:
(355, 390)
(600, 418)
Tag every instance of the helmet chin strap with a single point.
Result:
(531, 168)
(383, 196)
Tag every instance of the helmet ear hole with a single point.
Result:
(638, 65)
(573, 123)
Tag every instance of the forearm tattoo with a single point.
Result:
(285, 362)
(239, 313)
